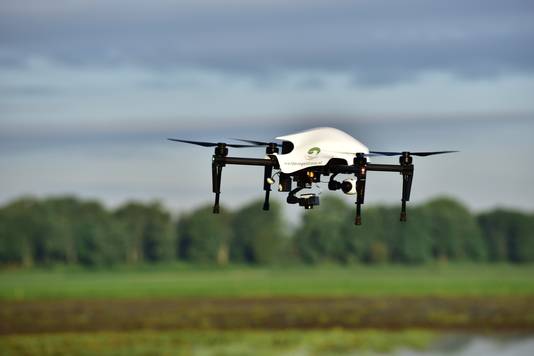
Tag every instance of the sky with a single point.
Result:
(89, 90)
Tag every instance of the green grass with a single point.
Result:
(322, 342)
(501, 284)
(178, 281)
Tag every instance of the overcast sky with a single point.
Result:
(81, 81)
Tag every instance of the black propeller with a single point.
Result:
(209, 144)
(257, 143)
(420, 154)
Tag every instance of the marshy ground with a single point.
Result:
(332, 310)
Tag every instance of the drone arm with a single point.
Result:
(266, 186)
(407, 176)
(220, 160)
(406, 188)
(360, 164)
(216, 173)
(267, 173)
(384, 167)
(352, 169)
(244, 161)
(360, 168)
(406, 168)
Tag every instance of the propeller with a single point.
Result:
(420, 154)
(209, 144)
(388, 153)
(352, 153)
(257, 143)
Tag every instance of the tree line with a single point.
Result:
(68, 230)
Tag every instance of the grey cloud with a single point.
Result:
(377, 41)
(38, 90)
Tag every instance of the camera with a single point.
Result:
(349, 186)
(308, 201)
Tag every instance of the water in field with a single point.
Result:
(459, 345)
(265, 343)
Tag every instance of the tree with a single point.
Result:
(320, 237)
(413, 241)
(11, 243)
(20, 233)
(204, 237)
(99, 238)
(68, 230)
(370, 242)
(509, 235)
(149, 232)
(454, 231)
(61, 214)
(258, 236)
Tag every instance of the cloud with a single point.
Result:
(377, 42)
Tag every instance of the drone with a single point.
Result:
(303, 158)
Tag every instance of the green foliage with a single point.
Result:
(218, 342)
(205, 237)
(509, 235)
(258, 235)
(413, 243)
(320, 237)
(179, 280)
(454, 231)
(149, 232)
(66, 230)
(373, 241)
(97, 236)
(20, 224)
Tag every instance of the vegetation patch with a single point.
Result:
(179, 281)
(67, 230)
(187, 342)
(281, 313)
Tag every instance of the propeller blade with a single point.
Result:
(209, 144)
(256, 143)
(238, 146)
(424, 154)
(385, 153)
(199, 143)
(420, 154)
(353, 153)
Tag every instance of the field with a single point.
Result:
(287, 342)
(173, 281)
(177, 309)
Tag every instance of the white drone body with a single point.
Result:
(316, 147)
(306, 157)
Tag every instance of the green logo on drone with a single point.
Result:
(314, 151)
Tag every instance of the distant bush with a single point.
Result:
(68, 230)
